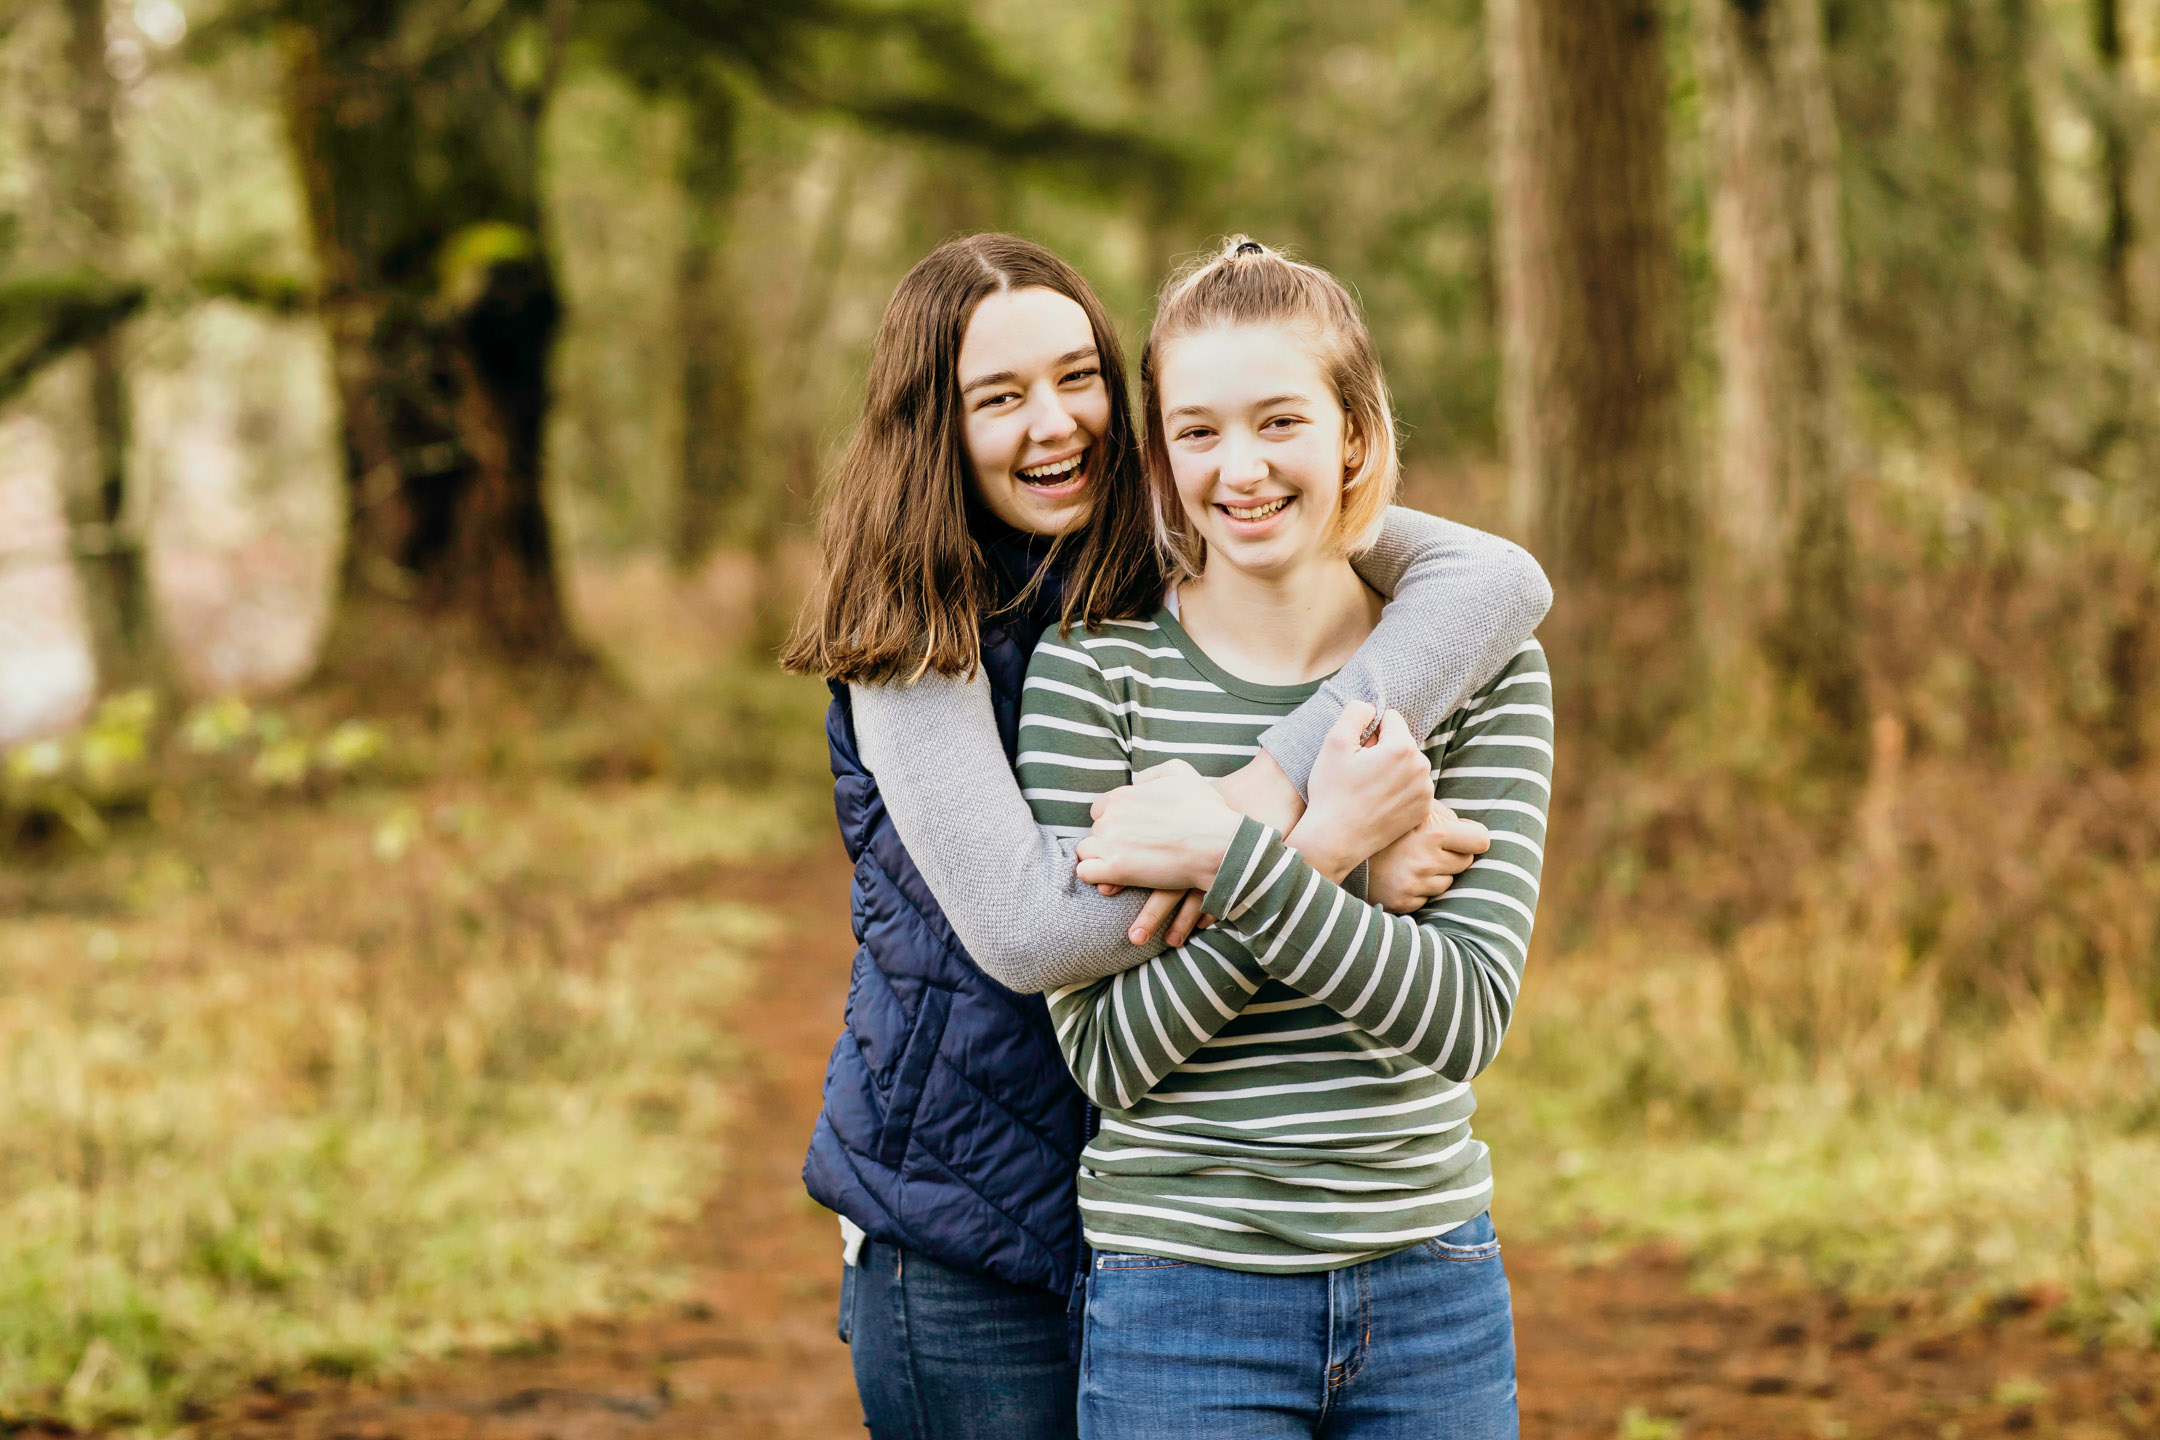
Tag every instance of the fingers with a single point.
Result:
(1107, 799)
(1157, 908)
(1163, 771)
(1465, 837)
(1417, 896)
(1089, 864)
(1350, 726)
(1394, 730)
(1187, 919)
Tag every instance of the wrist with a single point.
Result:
(1206, 845)
(1324, 846)
(1261, 789)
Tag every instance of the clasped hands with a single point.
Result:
(1171, 827)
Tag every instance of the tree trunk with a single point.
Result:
(1156, 204)
(1781, 341)
(1592, 340)
(716, 375)
(1958, 83)
(104, 532)
(2119, 230)
(422, 178)
(2021, 118)
(784, 504)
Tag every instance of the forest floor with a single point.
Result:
(1633, 1349)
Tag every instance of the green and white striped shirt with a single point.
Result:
(1290, 1090)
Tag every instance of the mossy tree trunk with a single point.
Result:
(419, 150)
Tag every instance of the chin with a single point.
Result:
(1057, 519)
(1259, 557)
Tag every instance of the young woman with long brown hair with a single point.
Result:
(996, 458)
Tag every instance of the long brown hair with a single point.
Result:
(902, 585)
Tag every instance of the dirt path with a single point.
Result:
(1625, 1351)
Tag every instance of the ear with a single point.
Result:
(1353, 447)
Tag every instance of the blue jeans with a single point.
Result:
(943, 1354)
(1419, 1344)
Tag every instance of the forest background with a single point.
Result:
(411, 416)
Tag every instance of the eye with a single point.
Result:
(1194, 432)
(1283, 422)
(1002, 397)
(1084, 373)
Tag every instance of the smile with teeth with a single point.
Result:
(1055, 470)
(1256, 512)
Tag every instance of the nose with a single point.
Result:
(1241, 461)
(1048, 419)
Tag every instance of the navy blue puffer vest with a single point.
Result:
(950, 1124)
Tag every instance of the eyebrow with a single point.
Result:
(1268, 404)
(1007, 377)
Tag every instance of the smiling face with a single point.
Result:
(1035, 408)
(1258, 445)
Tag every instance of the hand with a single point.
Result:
(1180, 907)
(1167, 830)
(1262, 791)
(1418, 869)
(1364, 797)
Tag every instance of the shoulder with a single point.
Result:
(1525, 676)
(1522, 691)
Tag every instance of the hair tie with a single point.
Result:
(1248, 247)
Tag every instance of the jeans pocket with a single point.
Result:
(1474, 1239)
(847, 1304)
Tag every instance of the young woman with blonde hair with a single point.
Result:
(993, 490)
(1289, 1214)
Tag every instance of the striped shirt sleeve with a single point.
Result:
(1123, 1033)
(1440, 985)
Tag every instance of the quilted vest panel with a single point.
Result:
(950, 1124)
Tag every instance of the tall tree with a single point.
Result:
(1782, 446)
(2118, 233)
(2021, 119)
(104, 532)
(417, 125)
(716, 369)
(1592, 340)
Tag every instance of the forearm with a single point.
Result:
(1123, 1034)
(1006, 886)
(1432, 986)
(1440, 986)
(1461, 603)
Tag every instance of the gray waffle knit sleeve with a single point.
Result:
(1006, 885)
(1462, 602)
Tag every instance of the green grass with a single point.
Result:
(332, 1084)
(1622, 1113)
(329, 1060)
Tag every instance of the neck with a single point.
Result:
(1283, 627)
